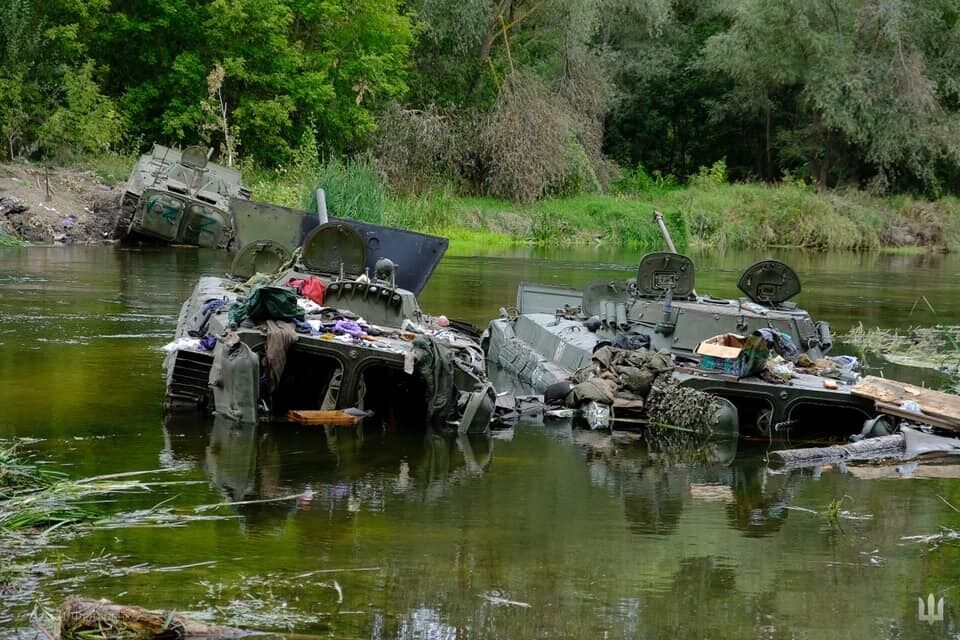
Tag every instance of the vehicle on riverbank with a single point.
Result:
(323, 316)
(179, 197)
(762, 353)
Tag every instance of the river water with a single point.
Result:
(541, 532)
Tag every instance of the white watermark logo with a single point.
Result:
(930, 613)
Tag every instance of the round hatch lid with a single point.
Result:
(333, 244)
(769, 282)
(262, 256)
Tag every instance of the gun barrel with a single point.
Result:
(658, 217)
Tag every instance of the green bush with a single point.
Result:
(7, 240)
(712, 176)
(87, 123)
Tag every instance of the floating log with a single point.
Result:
(82, 618)
(867, 448)
(338, 418)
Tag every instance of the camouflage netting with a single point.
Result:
(671, 404)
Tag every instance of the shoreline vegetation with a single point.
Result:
(708, 213)
(721, 115)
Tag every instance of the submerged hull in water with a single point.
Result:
(553, 332)
(319, 334)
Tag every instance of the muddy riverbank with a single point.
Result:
(56, 205)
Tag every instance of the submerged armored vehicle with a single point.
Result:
(322, 316)
(179, 197)
(553, 332)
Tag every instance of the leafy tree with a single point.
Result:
(486, 64)
(662, 112)
(891, 88)
(13, 115)
(155, 55)
(863, 85)
(37, 41)
(88, 122)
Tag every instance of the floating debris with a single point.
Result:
(924, 347)
(85, 619)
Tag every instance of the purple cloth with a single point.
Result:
(349, 327)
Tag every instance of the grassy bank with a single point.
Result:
(707, 213)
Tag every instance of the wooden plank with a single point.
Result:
(896, 410)
(945, 406)
(307, 416)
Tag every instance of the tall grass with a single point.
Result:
(7, 240)
(353, 190)
(757, 215)
(28, 494)
(110, 168)
(18, 474)
(433, 213)
(36, 498)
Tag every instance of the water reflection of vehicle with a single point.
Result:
(656, 480)
(272, 470)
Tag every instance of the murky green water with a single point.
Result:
(540, 533)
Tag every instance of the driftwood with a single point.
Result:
(86, 619)
(333, 417)
(868, 448)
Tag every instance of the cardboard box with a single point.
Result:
(723, 354)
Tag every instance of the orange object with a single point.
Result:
(307, 416)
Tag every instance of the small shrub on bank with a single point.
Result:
(637, 182)
(709, 177)
(416, 148)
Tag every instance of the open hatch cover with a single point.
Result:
(769, 282)
(415, 254)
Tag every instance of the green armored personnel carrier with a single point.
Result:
(320, 314)
(719, 346)
(179, 197)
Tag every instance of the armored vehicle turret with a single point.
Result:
(179, 197)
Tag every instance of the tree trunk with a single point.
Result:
(868, 448)
(85, 618)
(768, 169)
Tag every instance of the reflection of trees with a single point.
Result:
(703, 599)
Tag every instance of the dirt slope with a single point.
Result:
(76, 209)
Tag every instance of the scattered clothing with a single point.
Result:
(266, 303)
(312, 288)
(280, 335)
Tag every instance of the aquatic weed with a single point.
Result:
(832, 511)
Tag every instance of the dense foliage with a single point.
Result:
(512, 98)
